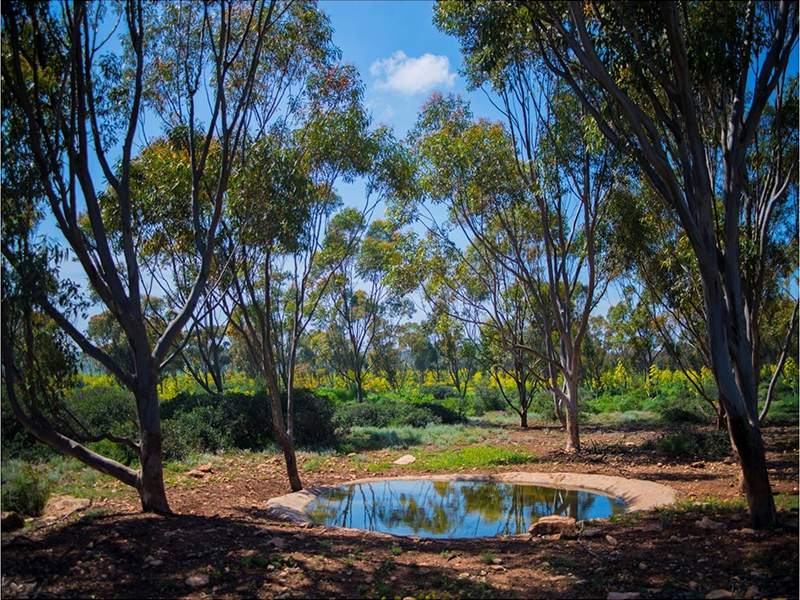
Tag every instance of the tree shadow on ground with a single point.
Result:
(244, 556)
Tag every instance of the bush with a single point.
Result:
(101, 408)
(215, 422)
(439, 391)
(679, 416)
(394, 414)
(486, 399)
(691, 444)
(24, 490)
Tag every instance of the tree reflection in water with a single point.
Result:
(453, 509)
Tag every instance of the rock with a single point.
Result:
(611, 540)
(351, 454)
(277, 542)
(59, 507)
(581, 582)
(747, 531)
(698, 465)
(642, 566)
(552, 524)
(752, 592)
(195, 473)
(706, 523)
(716, 594)
(406, 459)
(497, 561)
(592, 532)
(11, 521)
(653, 528)
(206, 468)
(497, 567)
(623, 595)
(197, 581)
(692, 585)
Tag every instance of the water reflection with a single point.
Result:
(453, 509)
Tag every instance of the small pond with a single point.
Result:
(453, 509)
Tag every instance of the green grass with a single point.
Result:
(626, 419)
(255, 560)
(463, 458)
(786, 502)
(377, 438)
(488, 557)
(625, 519)
(713, 505)
(507, 417)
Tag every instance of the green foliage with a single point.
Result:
(376, 438)
(472, 457)
(687, 445)
(393, 414)
(485, 399)
(24, 490)
(217, 422)
(438, 391)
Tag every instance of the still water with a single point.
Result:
(453, 509)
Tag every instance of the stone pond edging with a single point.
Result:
(636, 493)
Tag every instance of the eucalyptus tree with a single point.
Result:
(528, 200)
(81, 106)
(362, 300)
(284, 218)
(688, 119)
(484, 311)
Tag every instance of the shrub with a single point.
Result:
(24, 490)
(439, 391)
(394, 414)
(691, 444)
(486, 399)
(681, 415)
(215, 422)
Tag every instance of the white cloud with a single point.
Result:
(410, 76)
(380, 110)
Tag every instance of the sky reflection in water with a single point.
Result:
(453, 509)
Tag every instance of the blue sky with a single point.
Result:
(401, 57)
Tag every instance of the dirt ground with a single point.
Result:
(221, 531)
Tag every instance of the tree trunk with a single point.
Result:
(559, 412)
(747, 442)
(721, 420)
(742, 426)
(291, 462)
(151, 477)
(522, 392)
(571, 406)
(359, 388)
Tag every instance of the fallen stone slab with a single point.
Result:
(197, 581)
(406, 459)
(553, 524)
(59, 507)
